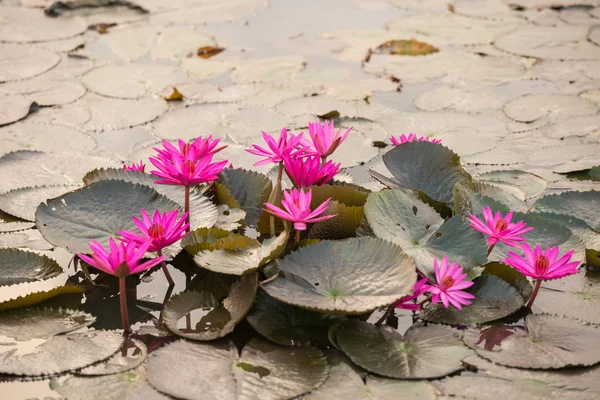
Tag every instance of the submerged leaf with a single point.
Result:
(18, 266)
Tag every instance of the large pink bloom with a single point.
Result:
(406, 303)
(175, 170)
(543, 265)
(296, 204)
(278, 149)
(499, 229)
(305, 172)
(324, 139)
(123, 259)
(413, 138)
(450, 282)
(162, 231)
(134, 167)
(191, 151)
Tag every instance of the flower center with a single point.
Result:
(501, 225)
(541, 265)
(447, 282)
(189, 166)
(156, 231)
(186, 149)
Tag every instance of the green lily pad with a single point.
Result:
(467, 201)
(38, 297)
(344, 193)
(353, 276)
(23, 202)
(97, 212)
(429, 167)
(288, 325)
(135, 354)
(511, 276)
(250, 189)
(494, 299)
(344, 225)
(263, 371)
(216, 316)
(41, 323)
(424, 352)
(18, 266)
(546, 342)
(583, 205)
(203, 212)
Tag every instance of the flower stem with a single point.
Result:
(536, 289)
(123, 298)
(424, 301)
(323, 160)
(297, 238)
(385, 315)
(187, 208)
(491, 248)
(165, 269)
(280, 172)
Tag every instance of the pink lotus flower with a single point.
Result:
(196, 150)
(543, 265)
(297, 209)
(406, 303)
(278, 149)
(135, 167)
(413, 138)
(309, 171)
(175, 170)
(498, 228)
(162, 231)
(450, 282)
(123, 259)
(324, 139)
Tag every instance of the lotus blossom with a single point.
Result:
(406, 303)
(499, 228)
(324, 139)
(413, 138)
(162, 230)
(544, 265)
(296, 204)
(196, 150)
(278, 149)
(123, 259)
(175, 170)
(309, 171)
(449, 285)
(135, 167)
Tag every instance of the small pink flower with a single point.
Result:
(324, 139)
(135, 167)
(499, 229)
(196, 150)
(309, 171)
(297, 209)
(122, 260)
(406, 303)
(176, 170)
(278, 149)
(413, 138)
(450, 282)
(162, 231)
(543, 265)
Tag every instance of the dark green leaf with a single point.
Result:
(511, 276)
(583, 205)
(467, 201)
(250, 189)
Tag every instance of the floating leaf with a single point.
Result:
(405, 48)
(424, 351)
(217, 317)
(41, 323)
(531, 107)
(467, 201)
(22, 62)
(346, 194)
(23, 202)
(494, 299)
(583, 205)
(97, 212)
(335, 276)
(38, 297)
(18, 266)
(170, 93)
(263, 371)
(17, 226)
(16, 27)
(135, 354)
(289, 325)
(500, 196)
(546, 342)
(511, 276)
(429, 167)
(531, 184)
(344, 225)
(250, 189)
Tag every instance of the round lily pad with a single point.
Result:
(22, 62)
(494, 299)
(18, 266)
(97, 212)
(38, 297)
(14, 108)
(349, 277)
(263, 371)
(215, 317)
(429, 167)
(424, 352)
(344, 225)
(41, 323)
(467, 201)
(289, 325)
(546, 342)
(23, 202)
(133, 356)
(32, 25)
(250, 190)
(532, 107)
(583, 205)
